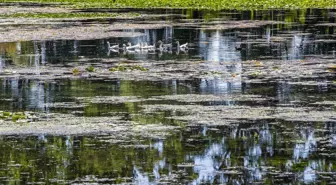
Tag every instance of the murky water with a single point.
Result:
(266, 151)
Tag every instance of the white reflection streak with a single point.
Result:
(1, 64)
(140, 178)
(37, 97)
(37, 59)
(43, 52)
(206, 166)
(18, 48)
(302, 150)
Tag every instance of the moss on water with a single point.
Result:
(207, 4)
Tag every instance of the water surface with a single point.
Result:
(245, 152)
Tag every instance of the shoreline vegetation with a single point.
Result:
(188, 4)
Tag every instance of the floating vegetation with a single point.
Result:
(17, 116)
(67, 124)
(127, 68)
(90, 69)
(219, 114)
(255, 74)
(109, 99)
(64, 29)
(138, 67)
(287, 69)
(258, 63)
(197, 98)
(212, 73)
(76, 71)
(118, 68)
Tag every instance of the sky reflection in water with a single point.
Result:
(236, 154)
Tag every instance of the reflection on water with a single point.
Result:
(223, 159)
(246, 152)
(278, 40)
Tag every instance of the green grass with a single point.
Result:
(194, 4)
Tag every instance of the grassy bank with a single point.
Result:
(195, 4)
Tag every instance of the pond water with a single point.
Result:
(205, 151)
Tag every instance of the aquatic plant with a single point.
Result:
(118, 68)
(75, 71)
(212, 73)
(12, 116)
(130, 68)
(17, 116)
(90, 69)
(258, 63)
(138, 67)
(6, 114)
(255, 74)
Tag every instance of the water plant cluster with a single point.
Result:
(121, 67)
(128, 68)
(14, 116)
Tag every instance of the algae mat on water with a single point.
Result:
(194, 4)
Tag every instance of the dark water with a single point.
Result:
(242, 153)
